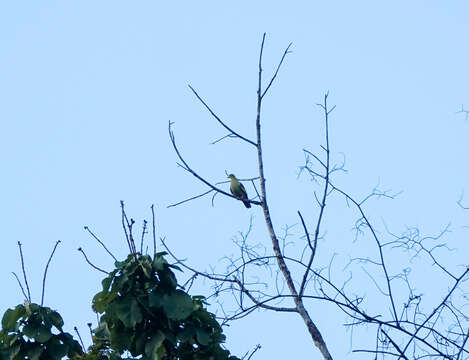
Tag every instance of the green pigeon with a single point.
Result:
(238, 190)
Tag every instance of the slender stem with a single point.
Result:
(90, 263)
(100, 242)
(232, 132)
(21, 286)
(144, 230)
(153, 228)
(24, 272)
(45, 271)
(322, 204)
(124, 227)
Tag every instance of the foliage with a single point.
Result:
(28, 332)
(143, 312)
(146, 314)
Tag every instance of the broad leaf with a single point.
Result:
(37, 332)
(11, 316)
(128, 311)
(178, 306)
(203, 337)
(154, 349)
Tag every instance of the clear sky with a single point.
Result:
(87, 89)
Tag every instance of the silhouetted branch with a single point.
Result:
(45, 271)
(144, 231)
(90, 263)
(191, 198)
(220, 121)
(100, 242)
(153, 228)
(125, 222)
(24, 272)
(79, 337)
(21, 286)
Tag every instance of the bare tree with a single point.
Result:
(259, 278)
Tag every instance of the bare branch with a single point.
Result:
(153, 228)
(45, 271)
(219, 120)
(21, 286)
(24, 272)
(278, 68)
(90, 263)
(100, 242)
(191, 198)
(79, 337)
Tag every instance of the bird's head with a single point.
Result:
(232, 177)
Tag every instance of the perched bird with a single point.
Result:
(238, 190)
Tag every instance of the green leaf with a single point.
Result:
(155, 298)
(106, 283)
(55, 318)
(175, 267)
(102, 299)
(12, 351)
(146, 268)
(120, 282)
(186, 334)
(34, 307)
(11, 316)
(167, 279)
(35, 352)
(159, 262)
(178, 306)
(128, 311)
(37, 332)
(203, 337)
(102, 331)
(121, 337)
(55, 349)
(120, 264)
(73, 347)
(140, 342)
(154, 349)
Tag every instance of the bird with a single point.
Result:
(238, 190)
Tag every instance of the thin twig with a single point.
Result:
(442, 303)
(91, 330)
(262, 304)
(100, 242)
(124, 216)
(322, 204)
(79, 337)
(395, 345)
(90, 263)
(258, 346)
(219, 120)
(45, 271)
(21, 286)
(153, 228)
(276, 71)
(192, 198)
(144, 230)
(24, 272)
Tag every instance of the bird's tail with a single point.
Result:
(246, 203)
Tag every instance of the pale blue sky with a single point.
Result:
(87, 89)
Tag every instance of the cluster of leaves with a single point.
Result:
(143, 314)
(146, 314)
(35, 332)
